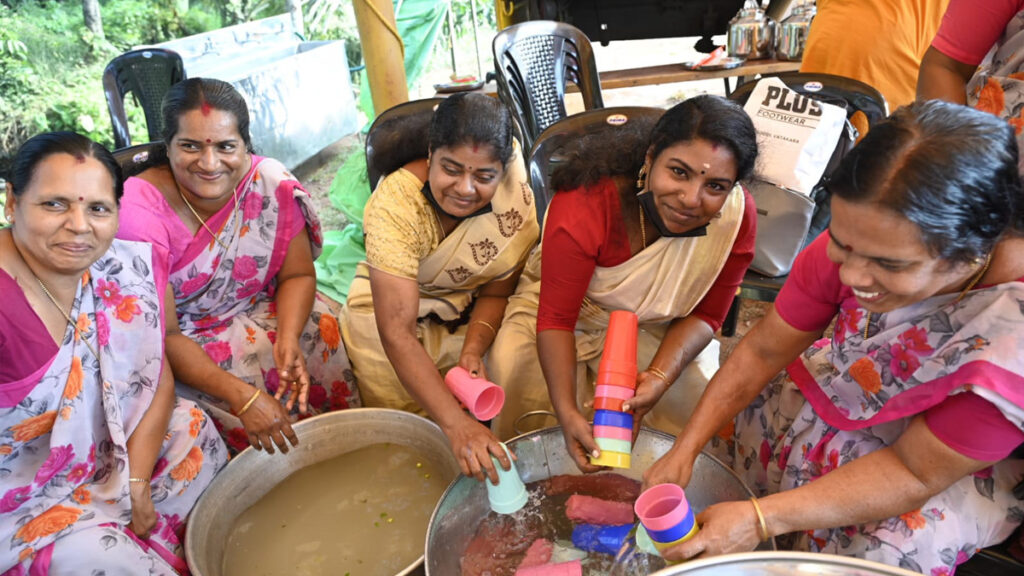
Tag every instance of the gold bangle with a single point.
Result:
(762, 525)
(144, 480)
(249, 403)
(493, 330)
(659, 374)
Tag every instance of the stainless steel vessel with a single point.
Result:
(782, 563)
(792, 32)
(251, 474)
(751, 33)
(542, 454)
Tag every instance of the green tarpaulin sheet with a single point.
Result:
(419, 24)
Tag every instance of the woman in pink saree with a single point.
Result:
(237, 234)
(100, 463)
(891, 440)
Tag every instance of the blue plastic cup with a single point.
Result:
(610, 418)
(600, 539)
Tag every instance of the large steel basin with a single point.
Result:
(542, 454)
(251, 474)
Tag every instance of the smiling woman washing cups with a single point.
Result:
(446, 239)
(238, 235)
(888, 442)
(652, 221)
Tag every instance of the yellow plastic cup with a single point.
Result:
(662, 546)
(613, 459)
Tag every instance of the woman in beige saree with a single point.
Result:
(673, 253)
(446, 240)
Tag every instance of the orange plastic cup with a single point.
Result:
(620, 341)
(604, 403)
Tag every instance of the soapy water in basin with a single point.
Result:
(501, 541)
(364, 513)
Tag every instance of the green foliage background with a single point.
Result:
(51, 66)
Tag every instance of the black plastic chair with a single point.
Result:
(855, 96)
(134, 159)
(833, 89)
(534, 61)
(398, 136)
(147, 74)
(549, 149)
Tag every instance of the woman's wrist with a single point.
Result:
(240, 393)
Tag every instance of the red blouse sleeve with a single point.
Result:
(713, 308)
(811, 296)
(575, 230)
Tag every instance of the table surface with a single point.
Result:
(668, 73)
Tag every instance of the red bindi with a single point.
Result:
(205, 108)
(208, 140)
(80, 199)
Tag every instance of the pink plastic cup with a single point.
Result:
(484, 399)
(620, 341)
(613, 433)
(574, 568)
(662, 507)
(617, 392)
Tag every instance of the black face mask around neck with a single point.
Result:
(433, 202)
(646, 199)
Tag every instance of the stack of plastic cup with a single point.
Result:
(616, 383)
(666, 516)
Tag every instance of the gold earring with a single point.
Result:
(641, 179)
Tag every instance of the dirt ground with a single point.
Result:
(318, 173)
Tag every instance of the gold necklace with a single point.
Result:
(974, 282)
(72, 323)
(643, 228)
(203, 222)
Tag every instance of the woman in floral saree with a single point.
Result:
(238, 235)
(890, 440)
(446, 238)
(100, 463)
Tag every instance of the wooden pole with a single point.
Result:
(383, 53)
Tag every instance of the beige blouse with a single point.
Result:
(400, 225)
